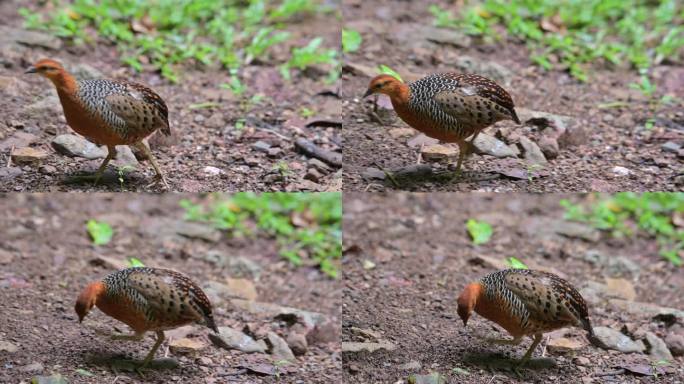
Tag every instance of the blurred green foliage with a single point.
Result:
(479, 231)
(101, 233)
(165, 33)
(384, 69)
(627, 213)
(307, 226)
(351, 40)
(568, 34)
(515, 263)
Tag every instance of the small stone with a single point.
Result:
(549, 147)
(412, 365)
(674, 342)
(8, 173)
(77, 146)
(211, 171)
(438, 152)
(563, 345)
(199, 118)
(373, 173)
(659, 349)
(6, 346)
(186, 346)
(313, 175)
(620, 171)
(421, 139)
(229, 338)
(355, 347)
(297, 343)
(31, 368)
(613, 339)
(274, 152)
(252, 161)
(261, 146)
(125, 157)
(531, 151)
(197, 231)
(52, 379)
(671, 147)
(319, 165)
(279, 348)
(398, 133)
(489, 145)
(581, 361)
(620, 288)
(47, 169)
(215, 121)
(28, 156)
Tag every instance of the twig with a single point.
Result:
(388, 174)
(9, 158)
(312, 150)
(545, 344)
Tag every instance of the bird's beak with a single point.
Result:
(368, 93)
(31, 70)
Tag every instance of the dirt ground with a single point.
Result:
(401, 34)
(259, 157)
(408, 256)
(46, 258)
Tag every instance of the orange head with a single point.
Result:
(467, 301)
(389, 85)
(52, 70)
(88, 298)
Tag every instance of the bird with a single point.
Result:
(147, 300)
(525, 303)
(108, 112)
(448, 106)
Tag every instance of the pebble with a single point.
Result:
(31, 368)
(233, 339)
(279, 348)
(186, 346)
(47, 169)
(412, 365)
(675, 344)
(199, 118)
(438, 152)
(6, 346)
(489, 145)
(297, 343)
(659, 349)
(313, 175)
(355, 347)
(671, 146)
(77, 146)
(620, 171)
(319, 165)
(261, 146)
(212, 171)
(582, 361)
(397, 133)
(531, 151)
(28, 156)
(613, 339)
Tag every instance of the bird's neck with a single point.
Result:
(65, 83)
(400, 95)
(93, 292)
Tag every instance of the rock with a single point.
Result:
(307, 318)
(77, 146)
(615, 265)
(658, 349)
(412, 365)
(211, 171)
(613, 339)
(438, 152)
(581, 361)
(279, 348)
(31, 368)
(487, 68)
(674, 342)
(6, 346)
(84, 71)
(47, 107)
(215, 121)
(197, 231)
(125, 157)
(274, 152)
(229, 338)
(531, 151)
(646, 309)
(242, 266)
(489, 145)
(186, 346)
(8, 173)
(31, 38)
(620, 288)
(297, 343)
(397, 133)
(18, 139)
(671, 147)
(199, 119)
(549, 147)
(235, 288)
(313, 175)
(261, 146)
(319, 165)
(421, 139)
(52, 379)
(28, 156)
(327, 332)
(432, 378)
(563, 345)
(620, 171)
(373, 173)
(354, 347)
(47, 169)
(5, 257)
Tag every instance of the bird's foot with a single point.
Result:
(159, 179)
(389, 175)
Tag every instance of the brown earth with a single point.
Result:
(408, 256)
(201, 136)
(401, 34)
(46, 258)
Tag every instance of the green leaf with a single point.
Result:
(383, 69)
(135, 263)
(516, 264)
(101, 233)
(351, 40)
(479, 231)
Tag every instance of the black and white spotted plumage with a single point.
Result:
(460, 104)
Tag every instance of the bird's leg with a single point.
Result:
(159, 176)
(537, 340)
(150, 356)
(111, 153)
(462, 152)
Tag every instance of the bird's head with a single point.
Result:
(47, 68)
(389, 85)
(467, 301)
(88, 298)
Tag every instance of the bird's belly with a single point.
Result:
(427, 125)
(496, 312)
(123, 310)
(93, 129)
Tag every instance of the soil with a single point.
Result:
(201, 137)
(408, 256)
(52, 259)
(598, 140)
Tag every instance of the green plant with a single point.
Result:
(479, 231)
(135, 263)
(309, 55)
(570, 34)
(307, 227)
(101, 233)
(351, 40)
(164, 34)
(627, 214)
(516, 263)
(121, 172)
(383, 69)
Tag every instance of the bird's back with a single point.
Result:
(533, 301)
(149, 299)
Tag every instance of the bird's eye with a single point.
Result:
(378, 86)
